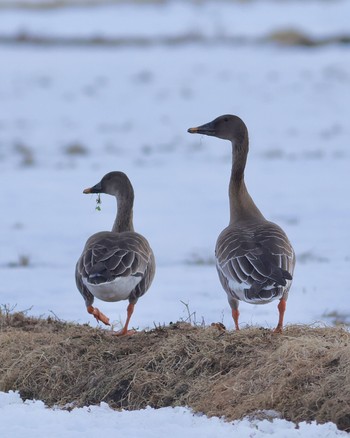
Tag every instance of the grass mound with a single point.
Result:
(304, 374)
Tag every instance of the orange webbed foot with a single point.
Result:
(278, 330)
(98, 315)
(124, 332)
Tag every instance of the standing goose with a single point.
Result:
(254, 258)
(119, 264)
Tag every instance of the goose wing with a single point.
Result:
(254, 262)
(108, 256)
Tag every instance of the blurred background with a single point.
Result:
(87, 87)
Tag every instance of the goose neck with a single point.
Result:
(242, 206)
(124, 219)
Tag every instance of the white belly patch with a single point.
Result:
(239, 291)
(116, 290)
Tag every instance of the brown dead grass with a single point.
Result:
(283, 37)
(304, 374)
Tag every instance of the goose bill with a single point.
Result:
(95, 189)
(206, 129)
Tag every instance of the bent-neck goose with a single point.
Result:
(119, 264)
(254, 258)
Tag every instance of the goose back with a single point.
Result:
(116, 266)
(255, 261)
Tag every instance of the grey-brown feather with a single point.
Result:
(108, 255)
(254, 258)
(258, 258)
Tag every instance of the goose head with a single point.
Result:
(113, 183)
(226, 127)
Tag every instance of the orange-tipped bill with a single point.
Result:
(95, 189)
(206, 129)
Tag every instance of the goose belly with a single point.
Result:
(116, 290)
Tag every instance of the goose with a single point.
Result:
(254, 258)
(119, 264)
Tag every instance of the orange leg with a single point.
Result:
(235, 316)
(281, 308)
(98, 315)
(124, 331)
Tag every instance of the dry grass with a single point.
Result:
(76, 149)
(284, 37)
(22, 262)
(58, 4)
(25, 153)
(304, 374)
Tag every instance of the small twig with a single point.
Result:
(190, 315)
(55, 316)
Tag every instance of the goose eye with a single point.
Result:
(226, 119)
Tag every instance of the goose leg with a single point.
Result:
(281, 308)
(235, 316)
(124, 331)
(234, 303)
(98, 315)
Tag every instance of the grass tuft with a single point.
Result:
(302, 374)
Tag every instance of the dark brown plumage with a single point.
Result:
(119, 264)
(254, 258)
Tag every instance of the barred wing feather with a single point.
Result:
(252, 260)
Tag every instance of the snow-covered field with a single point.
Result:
(32, 420)
(70, 114)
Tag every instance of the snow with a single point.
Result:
(32, 420)
(299, 135)
(129, 109)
